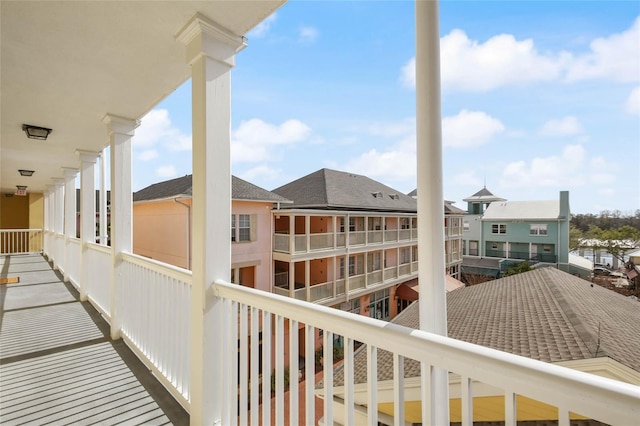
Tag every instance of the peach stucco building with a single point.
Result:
(162, 228)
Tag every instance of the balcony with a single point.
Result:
(151, 302)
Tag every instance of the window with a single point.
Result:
(404, 223)
(352, 266)
(373, 261)
(375, 223)
(538, 229)
(341, 269)
(233, 228)
(546, 248)
(341, 224)
(499, 228)
(352, 224)
(244, 228)
(465, 226)
(379, 305)
(405, 255)
(414, 254)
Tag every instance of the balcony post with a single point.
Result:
(292, 234)
(120, 131)
(70, 214)
(307, 231)
(292, 279)
(307, 280)
(104, 215)
(210, 50)
(87, 214)
(58, 221)
(432, 301)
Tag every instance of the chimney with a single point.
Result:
(564, 205)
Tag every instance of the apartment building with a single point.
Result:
(162, 227)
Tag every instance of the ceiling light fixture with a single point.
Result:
(26, 172)
(36, 132)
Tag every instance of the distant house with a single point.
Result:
(162, 227)
(545, 314)
(505, 232)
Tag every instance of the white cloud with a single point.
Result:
(398, 163)
(254, 140)
(148, 155)
(632, 105)
(606, 192)
(469, 129)
(566, 169)
(502, 60)
(308, 34)
(156, 129)
(166, 171)
(564, 126)
(261, 173)
(263, 27)
(613, 58)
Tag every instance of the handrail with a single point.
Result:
(160, 267)
(596, 397)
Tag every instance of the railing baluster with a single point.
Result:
(348, 382)
(266, 368)
(510, 413)
(293, 372)
(327, 365)
(372, 384)
(233, 364)
(255, 364)
(279, 370)
(309, 374)
(563, 416)
(426, 393)
(244, 364)
(398, 389)
(467, 401)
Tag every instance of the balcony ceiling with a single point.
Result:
(65, 65)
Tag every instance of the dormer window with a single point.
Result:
(377, 194)
(394, 196)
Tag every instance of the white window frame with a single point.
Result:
(538, 229)
(498, 228)
(244, 225)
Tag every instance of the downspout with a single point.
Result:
(188, 231)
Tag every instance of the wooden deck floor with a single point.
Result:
(57, 363)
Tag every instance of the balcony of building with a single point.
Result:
(76, 373)
(531, 252)
(336, 279)
(305, 234)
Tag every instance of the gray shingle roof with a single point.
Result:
(181, 187)
(331, 189)
(544, 314)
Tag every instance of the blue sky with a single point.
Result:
(537, 97)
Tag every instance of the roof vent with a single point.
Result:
(377, 194)
(394, 196)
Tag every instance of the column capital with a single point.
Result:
(69, 172)
(87, 156)
(202, 36)
(57, 182)
(120, 125)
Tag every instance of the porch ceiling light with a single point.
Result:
(36, 132)
(26, 172)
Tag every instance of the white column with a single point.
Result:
(58, 221)
(104, 217)
(432, 301)
(211, 52)
(70, 214)
(120, 131)
(87, 213)
(46, 220)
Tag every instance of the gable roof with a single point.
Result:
(182, 187)
(544, 314)
(331, 189)
(484, 195)
(549, 210)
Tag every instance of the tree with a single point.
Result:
(518, 269)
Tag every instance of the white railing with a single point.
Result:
(321, 291)
(98, 258)
(155, 300)
(20, 241)
(390, 273)
(281, 243)
(281, 291)
(356, 282)
(300, 243)
(404, 234)
(374, 237)
(374, 277)
(281, 279)
(357, 238)
(404, 269)
(572, 391)
(320, 241)
(390, 235)
(73, 247)
(340, 239)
